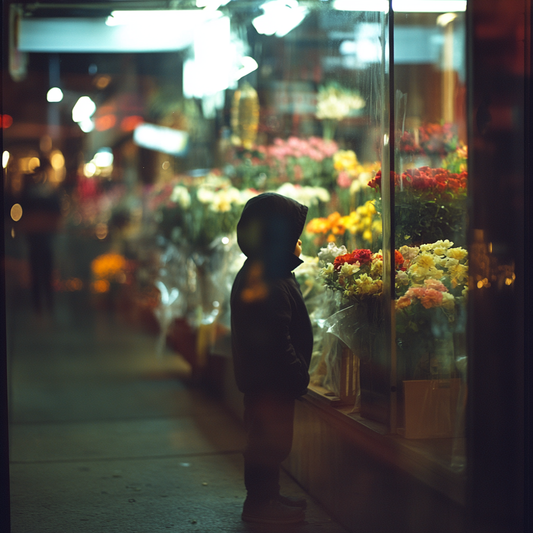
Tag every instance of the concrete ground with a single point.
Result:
(106, 436)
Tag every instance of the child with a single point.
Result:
(272, 344)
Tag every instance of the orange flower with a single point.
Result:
(431, 298)
(403, 302)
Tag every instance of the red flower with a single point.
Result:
(341, 259)
(357, 256)
(376, 182)
(398, 258)
(363, 256)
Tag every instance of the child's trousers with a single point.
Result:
(269, 421)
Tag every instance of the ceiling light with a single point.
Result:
(381, 6)
(279, 17)
(83, 109)
(55, 94)
(428, 6)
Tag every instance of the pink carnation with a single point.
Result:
(344, 180)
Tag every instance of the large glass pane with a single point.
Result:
(430, 186)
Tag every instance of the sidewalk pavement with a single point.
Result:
(106, 436)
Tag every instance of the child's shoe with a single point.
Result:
(292, 502)
(271, 512)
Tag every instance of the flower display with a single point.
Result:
(435, 277)
(429, 204)
(303, 161)
(357, 275)
(336, 102)
(457, 161)
(363, 224)
(427, 182)
(430, 307)
(107, 269)
(429, 139)
(196, 212)
(215, 209)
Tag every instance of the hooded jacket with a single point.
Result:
(272, 337)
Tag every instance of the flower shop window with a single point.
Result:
(430, 187)
(313, 110)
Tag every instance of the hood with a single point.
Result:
(269, 228)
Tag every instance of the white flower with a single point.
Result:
(180, 195)
(348, 269)
(224, 199)
(322, 194)
(309, 267)
(402, 278)
(307, 196)
(328, 271)
(205, 196)
(246, 195)
(328, 255)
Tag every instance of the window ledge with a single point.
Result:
(427, 460)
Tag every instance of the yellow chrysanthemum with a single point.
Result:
(456, 253)
(424, 261)
(459, 273)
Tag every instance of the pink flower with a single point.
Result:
(435, 284)
(344, 180)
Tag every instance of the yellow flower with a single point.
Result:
(345, 160)
(371, 207)
(328, 270)
(318, 225)
(348, 269)
(459, 273)
(424, 261)
(456, 253)
(376, 268)
(367, 286)
(448, 301)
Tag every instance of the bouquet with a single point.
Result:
(356, 275)
(303, 161)
(429, 204)
(215, 209)
(363, 225)
(429, 139)
(167, 203)
(336, 102)
(431, 303)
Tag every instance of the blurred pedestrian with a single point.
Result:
(41, 216)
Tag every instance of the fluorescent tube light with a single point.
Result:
(428, 6)
(381, 6)
(161, 139)
(402, 6)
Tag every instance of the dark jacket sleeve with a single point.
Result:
(266, 354)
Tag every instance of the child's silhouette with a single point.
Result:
(272, 344)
